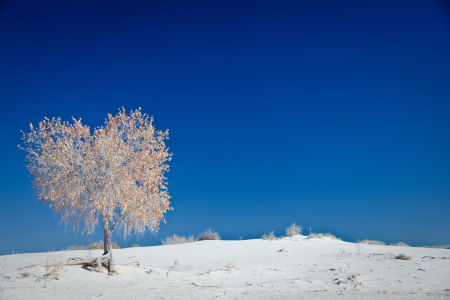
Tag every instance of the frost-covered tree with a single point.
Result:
(114, 175)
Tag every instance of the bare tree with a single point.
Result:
(115, 175)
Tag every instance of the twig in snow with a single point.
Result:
(127, 264)
(205, 286)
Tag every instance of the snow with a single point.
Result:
(288, 268)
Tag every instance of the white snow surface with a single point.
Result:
(288, 268)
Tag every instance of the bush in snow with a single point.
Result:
(176, 239)
(294, 230)
(314, 235)
(400, 244)
(403, 256)
(208, 235)
(371, 242)
(94, 246)
(271, 236)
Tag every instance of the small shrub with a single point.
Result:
(135, 246)
(73, 247)
(100, 246)
(230, 266)
(294, 230)
(371, 242)
(174, 266)
(51, 271)
(314, 235)
(176, 239)
(208, 235)
(271, 236)
(403, 256)
(94, 246)
(400, 244)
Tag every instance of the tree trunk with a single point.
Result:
(107, 243)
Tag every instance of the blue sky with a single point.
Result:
(330, 114)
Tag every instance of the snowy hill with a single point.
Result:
(288, 268)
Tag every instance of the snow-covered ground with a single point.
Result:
(296, 268)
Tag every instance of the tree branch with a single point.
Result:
(117, 221)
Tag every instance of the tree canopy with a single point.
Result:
(115, 174)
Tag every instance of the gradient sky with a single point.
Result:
(330, 114)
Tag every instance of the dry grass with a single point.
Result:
(176, 239)
(208, 235)
(371, 242)
(294, 230)
(73, 247)
(400, 244)
(230, 266)
(174, 266)
(51, 271)
(314, 235)
(94, 246)
(403, 256)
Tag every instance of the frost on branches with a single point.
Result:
(115, 175)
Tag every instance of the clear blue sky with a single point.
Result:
(330, 114)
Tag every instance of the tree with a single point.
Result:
(115, 175)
